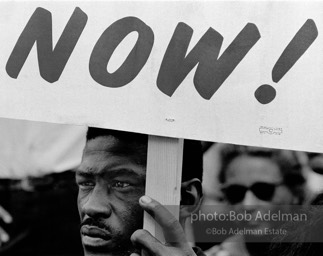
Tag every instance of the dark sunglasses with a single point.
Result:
(264, 191)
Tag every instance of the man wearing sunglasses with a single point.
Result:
(254, 182)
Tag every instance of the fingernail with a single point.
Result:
(145, 199)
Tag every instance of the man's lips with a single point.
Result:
(95, 232)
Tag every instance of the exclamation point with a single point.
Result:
(294, 50)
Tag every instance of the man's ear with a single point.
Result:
(191, 197)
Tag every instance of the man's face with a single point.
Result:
(110, 185)
(265, 188)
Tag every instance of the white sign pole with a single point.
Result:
(163, 177)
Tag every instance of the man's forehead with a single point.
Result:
(106, 147)
(108, 153)
(102, 143)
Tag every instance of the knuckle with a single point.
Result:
(155, 206)
(172, 222)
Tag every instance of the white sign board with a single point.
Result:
(236, 72)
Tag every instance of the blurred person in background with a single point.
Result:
(306, 239)
(38, 212)
(302, 238)
(255, 180)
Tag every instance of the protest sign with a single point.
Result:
(235, 72)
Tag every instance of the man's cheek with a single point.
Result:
(79, 207)
(81, 199)
(139, 192)
(131, 197)
(132, 212)
(137, 214)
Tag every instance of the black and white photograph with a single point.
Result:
(161, 128)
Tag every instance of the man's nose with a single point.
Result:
(250, 201)
(97, 204)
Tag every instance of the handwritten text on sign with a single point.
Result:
(173, 52)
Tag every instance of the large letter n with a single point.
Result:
(39, 29)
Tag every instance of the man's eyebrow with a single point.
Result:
(112, 173)
(85, 174)
(108, 172)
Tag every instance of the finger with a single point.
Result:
(4, 237)
(143, 239)
(172, 229)
(5, 215)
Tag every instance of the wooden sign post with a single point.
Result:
(163, 176)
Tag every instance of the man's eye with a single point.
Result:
(86, 184)
(120, 184)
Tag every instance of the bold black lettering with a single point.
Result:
(211, 71)
(39, 29)
(109, 41)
